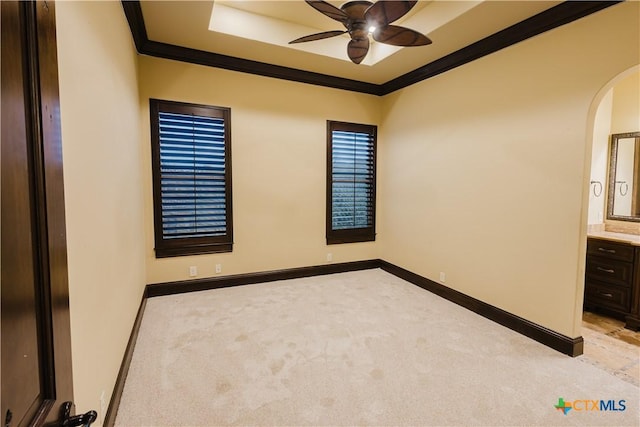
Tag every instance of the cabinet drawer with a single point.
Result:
(609, 270)
(613, 297)
(609, 249)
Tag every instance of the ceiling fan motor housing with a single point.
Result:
(357, 25)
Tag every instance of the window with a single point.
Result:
(191, 158)
(351, 182)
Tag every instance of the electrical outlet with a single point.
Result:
(442, 277)
(218, 268)
(193, 271)
(329, 257)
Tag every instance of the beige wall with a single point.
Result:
(105, 231)
(278, 134)
(482, 168)
(625, 117)
(626, 105)
(600, 160)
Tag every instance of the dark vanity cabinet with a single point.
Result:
(612, 280)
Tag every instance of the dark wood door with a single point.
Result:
(36, 359)
(21, 362)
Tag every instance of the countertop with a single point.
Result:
(632, 239)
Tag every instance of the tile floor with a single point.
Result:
(609, 346)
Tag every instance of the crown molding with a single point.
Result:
(554, 17)
(133, 12)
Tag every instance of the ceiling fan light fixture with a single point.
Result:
(362, 19)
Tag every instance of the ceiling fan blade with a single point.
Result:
(400, 36)
(357, 50)
(317, 36)
(328, 9)
(355, 9)
(383, 13)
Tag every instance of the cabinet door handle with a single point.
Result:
(606, 270)
(608, 295)
(609, 251)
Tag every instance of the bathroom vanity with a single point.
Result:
(612, 276)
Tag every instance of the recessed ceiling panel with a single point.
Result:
(260, 31)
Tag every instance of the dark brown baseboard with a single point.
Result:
(116, 395)
(571, 346)
(169, 288)
(632, 322)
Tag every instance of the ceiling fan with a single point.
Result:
(361, 18)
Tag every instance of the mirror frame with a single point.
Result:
(613, 157)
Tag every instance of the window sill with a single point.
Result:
(193, 250)
(335, 240)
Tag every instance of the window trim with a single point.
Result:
(188, 245)
(353, 235)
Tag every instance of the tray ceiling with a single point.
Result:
(252, 36)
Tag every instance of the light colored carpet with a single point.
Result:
(360, 348)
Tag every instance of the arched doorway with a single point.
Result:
(607, 343)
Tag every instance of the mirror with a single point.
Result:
(624, 177)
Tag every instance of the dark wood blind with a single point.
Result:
(352, 178)
(352, 182)
(191, 178)
(192, 174)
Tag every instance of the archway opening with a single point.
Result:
(610, 341)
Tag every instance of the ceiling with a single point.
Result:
(260, 31)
